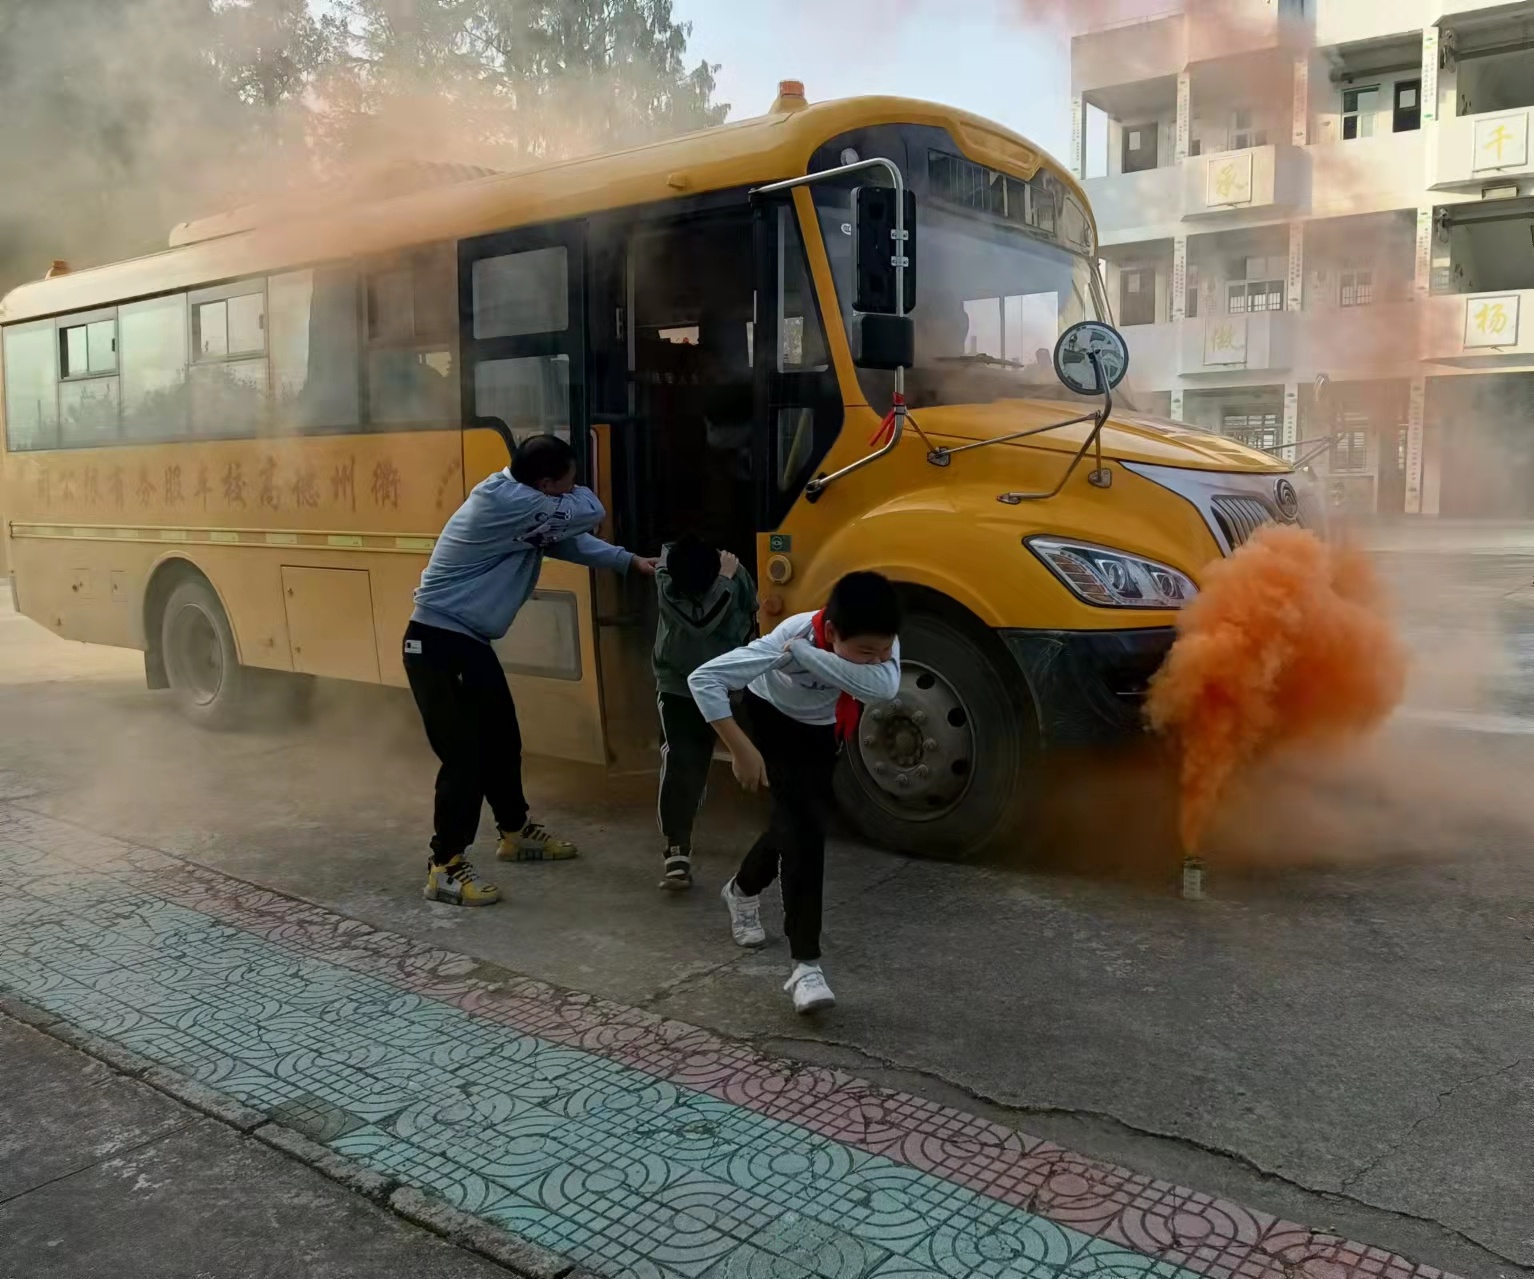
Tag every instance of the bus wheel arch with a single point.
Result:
(191, 649)
(164, 578)
(945, 770)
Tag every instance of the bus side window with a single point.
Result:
(88, 380)
(31, 387)
(316, 343)
(412, 340)
(230, 395)
(155, 391)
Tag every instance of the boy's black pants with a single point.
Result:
(471, 723)
(801, 759)
(687, 751)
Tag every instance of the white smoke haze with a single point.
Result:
(127, 118)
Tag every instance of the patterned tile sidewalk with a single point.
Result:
(632, 1144)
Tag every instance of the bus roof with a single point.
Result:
(745, 153)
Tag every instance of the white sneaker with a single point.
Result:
(809, 989)
(745, 917)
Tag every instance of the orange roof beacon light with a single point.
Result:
(57, 268)
(790, 97)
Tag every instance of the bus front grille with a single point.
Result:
(1241, 517)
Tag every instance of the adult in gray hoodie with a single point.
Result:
(481, 572)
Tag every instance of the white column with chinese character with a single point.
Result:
(1415, 415)
(1176, 411)
(1430, 79)
(1296, 288)
(1179, 307)
(1423, 275)
(1291, 434)
(1078, 157)
(1184, 116)
(1301, 129)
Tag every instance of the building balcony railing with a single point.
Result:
(1380, 341)
(1349, 22)
(1131, 207)
(1270, 179)
(1153, 355)
(1483, 150)
(1453, 8)
(1147, 48)
(1368, 175)
(1480, 330)
(1224, 344)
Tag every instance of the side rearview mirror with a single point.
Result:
(1091, 358)
(882, 339)
(875, 250)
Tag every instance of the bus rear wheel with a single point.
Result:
(945, 769)
(202, 665)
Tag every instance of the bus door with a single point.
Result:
(522, 334)
(798, 404)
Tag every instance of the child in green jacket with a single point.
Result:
(707, 607)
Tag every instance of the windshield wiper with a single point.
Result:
(982, 358)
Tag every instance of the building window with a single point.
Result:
(1248, 297)
(1350, 451)
(1244, 132)
(1408, 106)
(1255, 430)
(1358, 110)
(1356, 287)
(1191, 302)
(1137, 296)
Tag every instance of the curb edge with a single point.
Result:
(426, 1211)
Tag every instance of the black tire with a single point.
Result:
(965, 715)
(202, 665)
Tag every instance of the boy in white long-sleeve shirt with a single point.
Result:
(805, 683)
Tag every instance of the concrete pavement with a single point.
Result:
(607, 1136)
(1340, 1042)
(103, 1177)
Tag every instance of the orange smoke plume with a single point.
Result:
(1287, 641)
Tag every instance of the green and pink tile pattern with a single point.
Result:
(632, 1144)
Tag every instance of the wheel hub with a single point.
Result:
(196, 656)
(919, 748)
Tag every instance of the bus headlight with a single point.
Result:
(1112, 579)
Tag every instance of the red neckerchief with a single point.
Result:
(849, 711)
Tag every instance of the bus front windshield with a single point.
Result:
(992, 299)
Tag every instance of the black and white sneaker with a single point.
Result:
(678, 876)
(745, 917)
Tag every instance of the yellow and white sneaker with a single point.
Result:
(534, 844)
(459, 883)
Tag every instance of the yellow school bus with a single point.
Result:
(235, 454)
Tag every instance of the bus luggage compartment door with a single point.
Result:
(330, 622)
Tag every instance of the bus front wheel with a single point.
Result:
(202, 665)
(943, 770)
